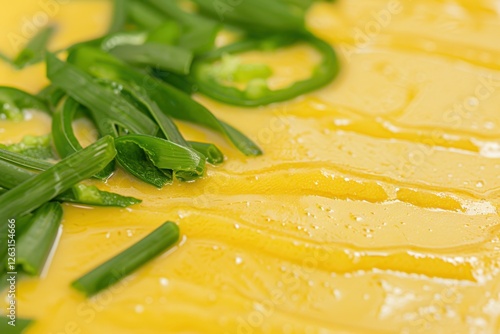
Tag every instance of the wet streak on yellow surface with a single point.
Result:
(374, 208)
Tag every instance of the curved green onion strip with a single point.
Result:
(148, 157)
(123, 264)
(13, 102)
(259, 94)
(165, 57)
(84, 89)
(34, 245)
(45, 186)
(172, 101)
(64, 137)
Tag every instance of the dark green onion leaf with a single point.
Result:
(14, 102)
(210, 151)
(45, 186)
(35, 49)
(165, 57)
(129, 260)
(33, 247)
(99, 100)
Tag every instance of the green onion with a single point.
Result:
(84, 89)
(146, 157)
(122, 38)
(19, 328)
(145, 16)
(64, 137)
(24, 161)
(166, 57)
(172, 101)
(37, 147)
(45, 186)
(263, 16)
(15, 169)
(198, 33)
(14, 102)
(210, 151)
(119, 17)
(129, 260)
(167, 33)
(35, 49)
(33, 247)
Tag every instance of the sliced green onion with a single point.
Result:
(45, 186)
(15, 169)
(64, 137)
(33, 247)
(35, 49)
(146, 157)
(262, 16)
(14, 102)
(119, 17)
(168, 33)
(91, 195)
(84, 89)
(129, 260)
(145, 16)
(210, 151)
(166, 57)
(198, 33)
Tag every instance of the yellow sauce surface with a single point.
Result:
(373, 210)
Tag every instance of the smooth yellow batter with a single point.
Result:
(373, 209)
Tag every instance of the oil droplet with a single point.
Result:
(237, 226)
(164, 281)
(238, 260)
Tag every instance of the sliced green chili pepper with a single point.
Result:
(257, 92)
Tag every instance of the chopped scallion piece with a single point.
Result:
(129, 260)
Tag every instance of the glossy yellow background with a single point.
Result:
(373, 209)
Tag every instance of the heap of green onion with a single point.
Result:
(132, 83)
